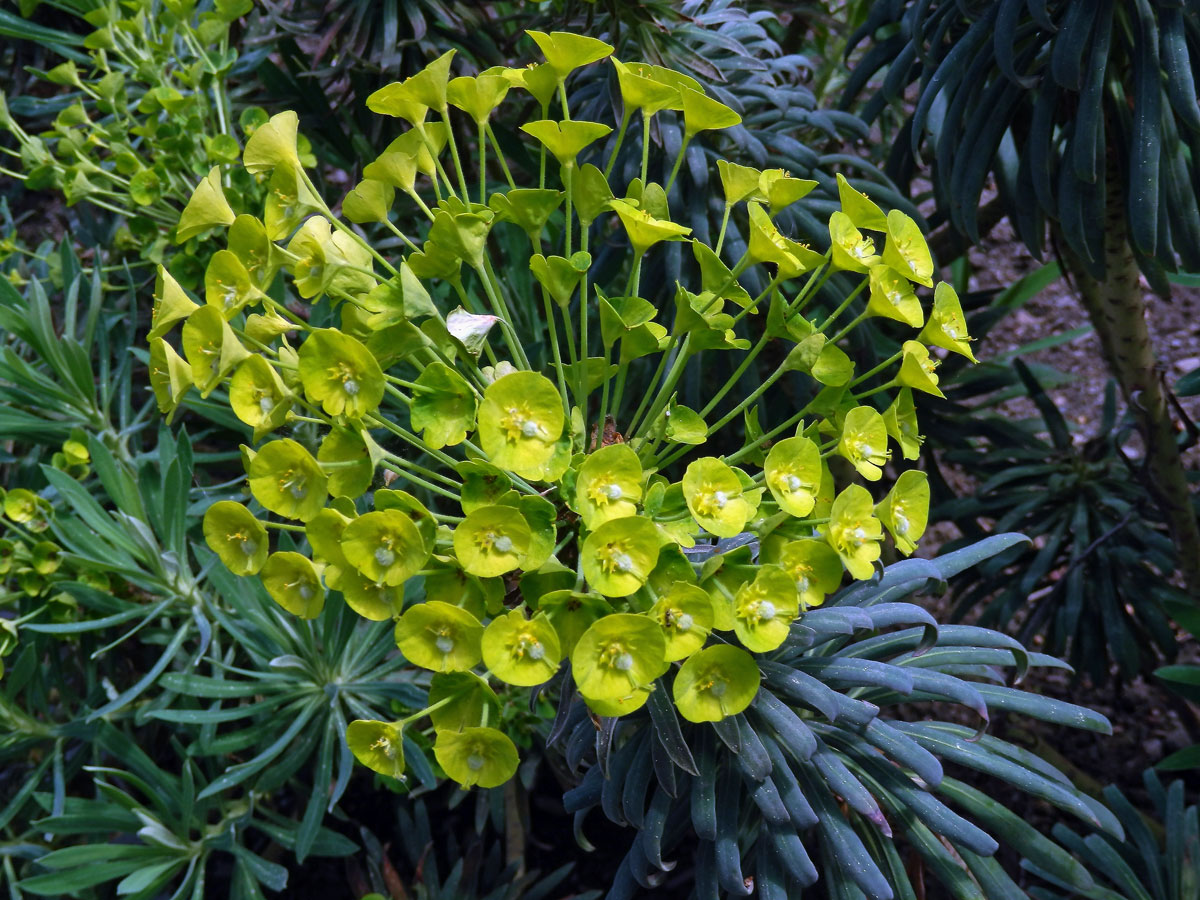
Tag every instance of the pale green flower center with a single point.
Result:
(384, 556)
(503, 544)
(623, 663)
(613, 492)
(444, 643)
(684, 622)
(249, 547)
(475, 762)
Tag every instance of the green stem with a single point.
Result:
(845, 304)
(500, 156)
(678, 162)
(458, 168)
(646, 120)
(612, 159)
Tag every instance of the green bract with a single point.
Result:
(793, 475)
(714, 496)
(717, 682)
(340, 373)
(491, 540)
(686, 616)
(293, 583)
(476, 756)
(814, 567)
(438, 636)
(854, 532)
(619, 555)
(239, 539)
(461, 700)
(285, 479)
(864, 441)
(521, 651)
(905, 510)
(609, 485)
(377, 745)
(385, 546)
(520, 419)
(618, 655)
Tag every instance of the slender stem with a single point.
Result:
(736, 376)
(724, 226)
(555, 351)
(844, 306)
(845, 331)
(875, 371)
(645, 146)
(400, 234)
(612, 158)
(500, 156)
(482, 167)
(458, 168)
(678, 162)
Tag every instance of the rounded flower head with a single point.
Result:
(491, 540)
(477, 756)
(852, 251)
(521, 651)
(686, 616)
(258, 396)
(238, 539)
(439, 636)
(864, 441)
(854, 532)
(293, 583)
(338, 372)
(892, 297)
(619, 655)
(713, 493)
(905, 510)
(385, 546)
(285, 479)
(793, 475)
(207, 208)
(619, 555)
(947, 326)
(170, 376)
(768, 245)
(22, 505)
(609, 485)
(901, 421)
(468, 698)
(520, 419)
(377, 745)
(763, 609)
(918, 370)
(906, 250)
(814, 567)
(171, 305)
(717, 682)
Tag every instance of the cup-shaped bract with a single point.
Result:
(619, 555)
(918, 370)
(227, 284)
(385, 546)
(211, 348)
(814, 567)
(947, 326)
(685, 614)
(901, 421)
(377, 745)
(340, 373)
(566, 52)
(644, 229)
(273, 145)
(520, 420)
(792, 471)
(714, 495)
(852, 251)
(854, 532)
(860, 209)
(893, 298)
(572, 613)
(170, 376)
(906, 250)
(520, 651)
(440, 636)
(294, 583)
(171, 304)
(491, 540)
(239, 540)
(609, 485)
(566, 139)
(864, 441)
(715, 683)
(349, 461)
(258, 396)
(286, 479)
(206, 208)
(618, 655)
(763, 609)
(905, 509)
(477, 756)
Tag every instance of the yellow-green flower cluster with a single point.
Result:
(510, 516)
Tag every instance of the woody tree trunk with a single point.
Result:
(1117, 309)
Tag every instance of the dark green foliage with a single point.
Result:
(1096, 581)
(1046, 96)
(820, 774)
(1154, 862)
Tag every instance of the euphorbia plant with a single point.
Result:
(469, 462)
